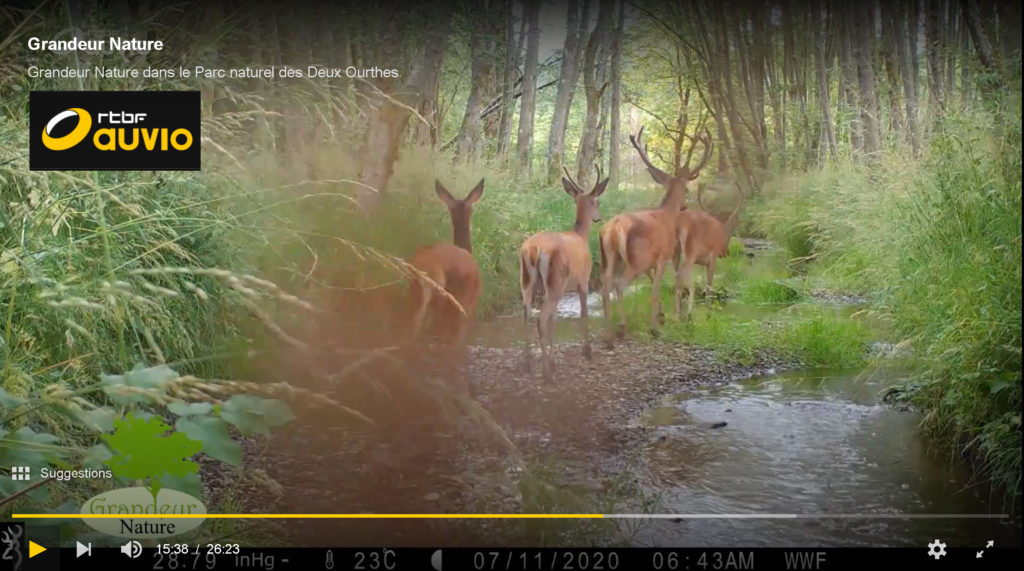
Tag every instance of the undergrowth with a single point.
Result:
(936, 243)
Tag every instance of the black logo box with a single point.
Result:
(164, 109)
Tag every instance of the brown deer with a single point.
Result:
(644, 241)
(452, 267)
(702, 240)
(556, 263)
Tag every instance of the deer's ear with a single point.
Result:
(569, 187)
(475, 194)
(599, 188)
(443, 194)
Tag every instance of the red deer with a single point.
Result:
(556, 263)
(702, 240)
(452, 267)
(644, 241)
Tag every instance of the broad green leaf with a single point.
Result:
(191, 484)
(144, 451)
(96, 456)
(26, 447)
(9, 487)
(99, 419)
(190, 409)
(7, 400)
(138, 377)
(255, 415)
(213, 433)
(150, 377)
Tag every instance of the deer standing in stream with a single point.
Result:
(555, 263)
(702, 240)
(452, 268)
(643, 242)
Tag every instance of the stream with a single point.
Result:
(820, 444)
(816, 443)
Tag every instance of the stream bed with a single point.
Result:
(819, 444)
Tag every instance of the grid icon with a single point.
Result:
(21, 473)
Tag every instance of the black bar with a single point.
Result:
(226, 556)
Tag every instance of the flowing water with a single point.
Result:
(818, 444)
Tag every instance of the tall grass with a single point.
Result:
(936, 242)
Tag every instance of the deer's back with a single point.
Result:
(452, 267)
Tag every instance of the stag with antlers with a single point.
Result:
(643, 242)
(556, 263)
(702, 240)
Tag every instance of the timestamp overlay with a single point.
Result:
(171, 555)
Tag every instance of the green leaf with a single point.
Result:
(255, 415)
(96, 456)
(191, 484)
(116, 386)
(213, 433)
(28, 447)
(143, 451)
(1001, 383)
(99, 419)
(7, 400)
(9, 487)
(190, 408)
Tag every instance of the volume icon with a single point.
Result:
(132, 549)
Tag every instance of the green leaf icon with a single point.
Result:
(143, 451)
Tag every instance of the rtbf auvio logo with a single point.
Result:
(114, 130)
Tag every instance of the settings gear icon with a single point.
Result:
(936, 549)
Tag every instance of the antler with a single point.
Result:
(734, 216)
(657, 174)
(598, 167)
(569, 178)
(700, 197)
(708, 146)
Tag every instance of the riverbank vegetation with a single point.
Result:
(879, 151)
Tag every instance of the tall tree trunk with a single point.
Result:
(866, 78)
(513, 53)
(904, 52)
(386, 126)
(481, 67)
(951, 43)
(775, 87)
(566, 89)
(1008, 14)
(427, 131)
(849, 66)
(528, 106)
(892, 74)
(588, 141)
(978, 37)
(615, 135)
(965, 67)
(823, 98)
(933, 56)
(914, 8)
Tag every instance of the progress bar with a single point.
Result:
(515, 516)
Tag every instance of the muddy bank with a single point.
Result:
(580, 431)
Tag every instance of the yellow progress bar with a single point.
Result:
(308, 516)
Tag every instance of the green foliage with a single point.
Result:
(213, 433)
(937, 240)
(143, 451)
(254, 415)
(769, 291)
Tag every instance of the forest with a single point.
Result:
(865, 156)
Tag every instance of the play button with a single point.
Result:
(34, 549)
